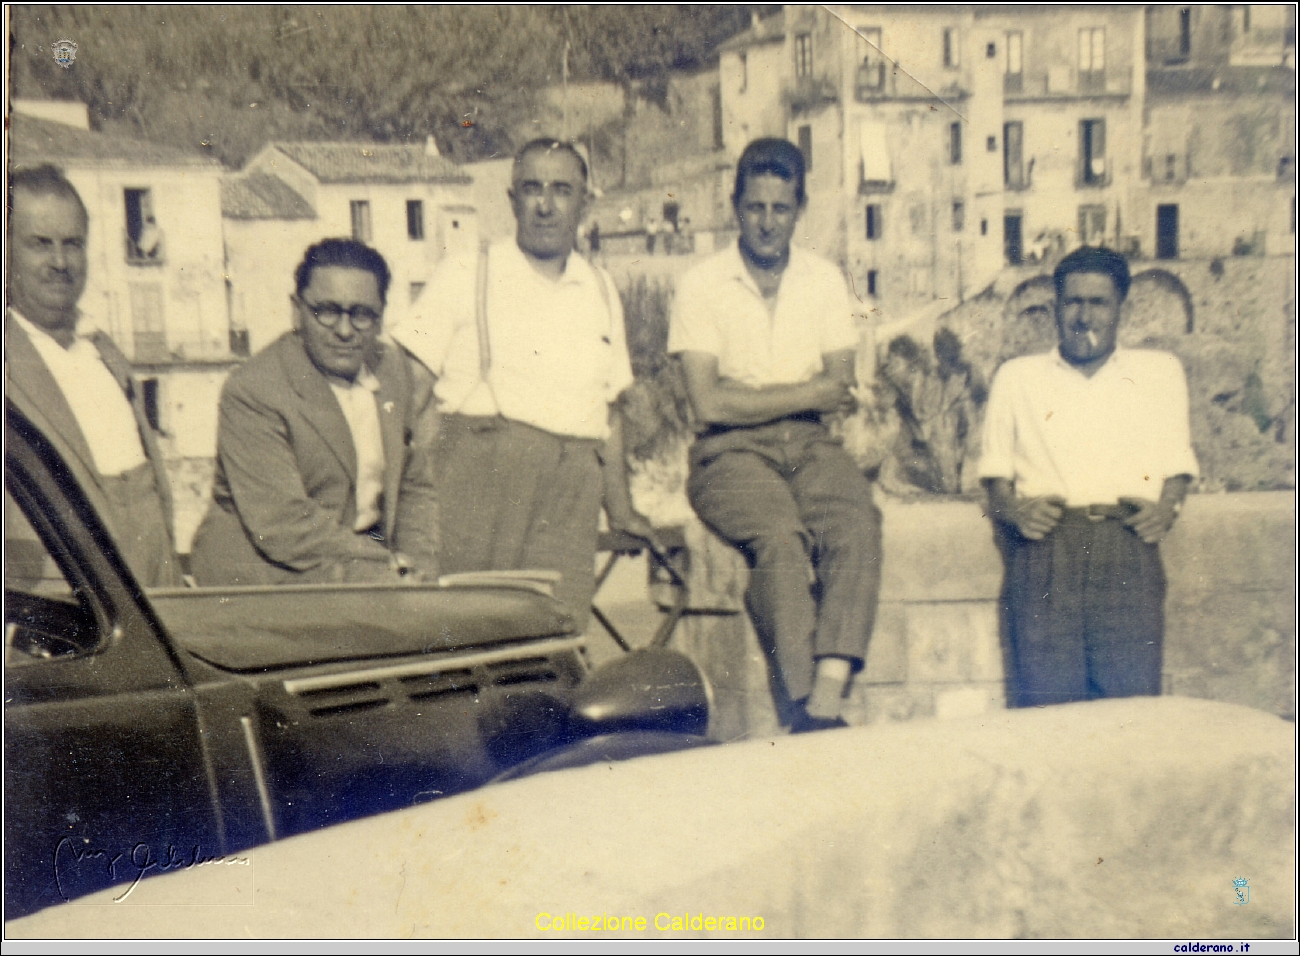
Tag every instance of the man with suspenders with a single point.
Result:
(531, 356)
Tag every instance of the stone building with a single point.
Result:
(408, 202)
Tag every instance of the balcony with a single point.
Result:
(879, 79)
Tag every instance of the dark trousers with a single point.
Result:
(139, 526)
(796, 506)
(1082, 612)
(515, 497)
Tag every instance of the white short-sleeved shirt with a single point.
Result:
(719, 310)
(1055, 431)
(94, 396)
(558, 348)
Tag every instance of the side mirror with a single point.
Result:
(649, 689)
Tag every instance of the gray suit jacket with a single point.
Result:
(284, 496)
(35, 393)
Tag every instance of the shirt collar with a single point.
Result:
(365, 379)
(736, 268)
(82, 330)
(1114, 360)
(577, 270)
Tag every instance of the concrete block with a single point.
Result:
(887, 654)
(887, 704)
(957, 703)
(1237, 542)
(1112, 819)
(1235, 647)
(954, 642)
(938, 551)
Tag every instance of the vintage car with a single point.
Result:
(194, 722)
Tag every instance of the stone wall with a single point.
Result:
(1230, 631)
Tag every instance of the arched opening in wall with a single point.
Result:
(1158, 306)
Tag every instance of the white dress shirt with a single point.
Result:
(720, 311)
(357, 400)
(97, 401)
(1092, 440)
(558, 347)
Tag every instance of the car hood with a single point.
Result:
(263, 628)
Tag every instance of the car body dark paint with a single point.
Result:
(146, 730)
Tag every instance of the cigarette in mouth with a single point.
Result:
(1092, 340)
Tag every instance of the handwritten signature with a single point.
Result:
(140, 860)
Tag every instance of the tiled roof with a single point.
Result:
(372, 163)
(33, 141)
(262, 196)
(768, 30)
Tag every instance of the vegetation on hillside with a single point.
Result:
(225, 79)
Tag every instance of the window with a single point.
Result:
(991, 50)
(1012, 239)
(149, 386)
(958, 216)
(1092, 60)
(1092, 152)
(1013, 155)
(803, 55)
(1171, 168)
(1092, 225)
(1185, 30)
(1245, 18)
(360, 220)
(805, 146)
(874, 222)
(954, 143)
(984, 227)
(144, 240)
(1013, 78)
(414, 219)
(873, 277)
(873, 149)
(744, 72)
(871, 71)
(1167, 231)
(992, 144)
(951, 48)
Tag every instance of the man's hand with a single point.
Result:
(831, 394)
(634, 523)
(1035, 518)
(1152, 519)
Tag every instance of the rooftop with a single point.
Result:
(372, 163)
(262, 196)
(768, 30)
(33, 141)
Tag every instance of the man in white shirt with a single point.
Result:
(73, 383)
(530, 351)
(324, 444)
(1087, 458)
(767, 342)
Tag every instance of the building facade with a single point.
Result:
(946, 142)
(408, 202)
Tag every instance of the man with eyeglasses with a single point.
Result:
(324, 444)
(531, 356)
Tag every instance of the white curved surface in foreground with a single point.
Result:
(1109, 819)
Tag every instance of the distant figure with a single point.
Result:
(73, 383)
(767, 341)
(324, 444)
(1087, 459)
(150, 243)
(530, 351)
(651, 233)
(593, 238)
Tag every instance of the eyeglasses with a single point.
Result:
(329, 314)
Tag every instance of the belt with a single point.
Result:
(1102, 512)
(810, 417)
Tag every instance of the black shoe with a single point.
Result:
(805, 723)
